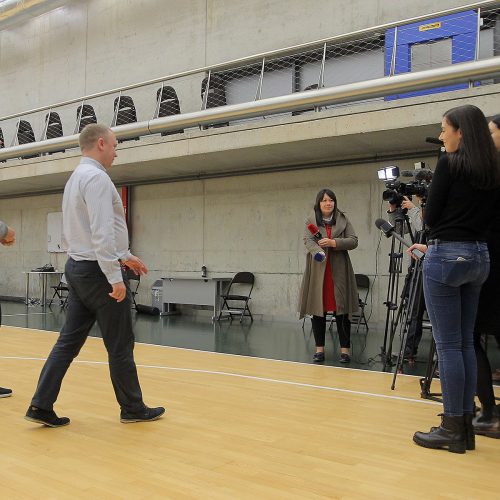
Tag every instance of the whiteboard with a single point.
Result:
(54, 232)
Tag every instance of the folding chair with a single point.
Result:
(241, 282)
(363, 283)
(134, 282)
(61, 291)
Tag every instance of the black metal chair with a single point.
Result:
(61, 291)
(363, 283)
(85, 115)
(239, 291)
(134, 281)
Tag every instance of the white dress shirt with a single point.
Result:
(94, 226)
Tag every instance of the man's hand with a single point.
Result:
(136, 265)
(406, 203)
(10, 238)
(119, 291)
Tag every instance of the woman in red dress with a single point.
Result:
(329, 284)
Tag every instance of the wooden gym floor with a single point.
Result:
(235, 428)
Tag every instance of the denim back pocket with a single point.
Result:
(459, 270)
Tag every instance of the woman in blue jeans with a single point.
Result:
(461, 200)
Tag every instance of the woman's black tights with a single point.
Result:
(484, 383)
(343, 329)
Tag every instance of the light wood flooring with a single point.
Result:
(235, 428)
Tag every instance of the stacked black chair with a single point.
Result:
(2, 143)
(216, 95)
(53, 127)
(310, 87)
(85, 115)
(125, 112)
(25, 135)
(168, 105)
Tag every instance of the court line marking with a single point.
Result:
(24, 314)
(241, 376)
(189, 349)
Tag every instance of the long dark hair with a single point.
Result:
(317, 209)
(475, 160)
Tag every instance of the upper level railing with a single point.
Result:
(468, 33)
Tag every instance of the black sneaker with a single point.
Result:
(145, 415)
(45, 417)
(5, 393)
(345, 358)
(319, 357)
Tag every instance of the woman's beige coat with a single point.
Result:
(311, 290)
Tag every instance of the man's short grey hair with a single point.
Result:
(91, 134)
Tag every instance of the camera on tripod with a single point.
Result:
(396, 189)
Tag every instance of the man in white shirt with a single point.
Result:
(96, 238)
(7, 238)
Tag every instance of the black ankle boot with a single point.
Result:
(450, 434)
(470, 438)
(487, 424)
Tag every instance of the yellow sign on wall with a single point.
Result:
(431, 26)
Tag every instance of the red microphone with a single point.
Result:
(314, 231)
(318, 256)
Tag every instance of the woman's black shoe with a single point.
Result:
(345, 358)
(470, 438)
(319, 357)
(487, 425)
(450, 434)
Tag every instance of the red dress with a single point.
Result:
(329, 304)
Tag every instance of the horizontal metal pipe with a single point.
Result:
(380, 87)
(257, 57)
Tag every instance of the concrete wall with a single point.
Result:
(252, 223)
(95, 45)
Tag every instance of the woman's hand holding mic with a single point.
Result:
(327, 242)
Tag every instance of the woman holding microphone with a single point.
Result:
(329, 284)
(459, 206)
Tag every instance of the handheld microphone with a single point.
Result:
(433, 140)
(318, 256)
(314, 231)
(388, 229)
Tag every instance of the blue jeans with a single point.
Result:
(453, 275)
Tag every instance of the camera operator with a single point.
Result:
(458, 211)
(415, 320)
(414, 213)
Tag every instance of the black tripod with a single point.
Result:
(411, 308)
(426, 381)
(401, 223)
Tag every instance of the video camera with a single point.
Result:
(396, 190)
